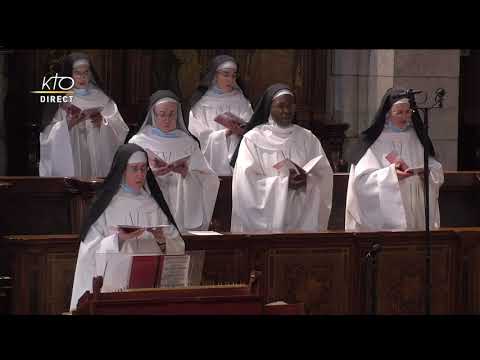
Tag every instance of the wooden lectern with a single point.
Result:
(240, 299)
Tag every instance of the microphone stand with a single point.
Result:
(371, 258)
(426, 191)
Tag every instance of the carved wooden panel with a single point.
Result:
(60, 272)
(323, 270)
(226, 257)
(42, 268)
(401, 279)
(474, 280)
(318, 277)
(225, 266)
(470, 270)
(27, 282)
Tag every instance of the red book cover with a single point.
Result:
(229, 120)
(144, 271)
(71, 109)
(392, 157)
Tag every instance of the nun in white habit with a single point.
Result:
(81, 140)
(265, 199)
(129, 196)
(190, 188)
(218, 94)
(382, 194)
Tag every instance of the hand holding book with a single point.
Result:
(180, 167)
(233, 123)
(126, 233)
(160, 167)
(75, 115)
(401, 166)
(297, 180)
(130, 229)
(297, 175)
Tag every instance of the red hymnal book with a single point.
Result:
(145, 270)
(156, 162)
(229, 120)
(75, 110)
(392, 157)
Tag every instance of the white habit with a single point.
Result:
(84, 151)
(377, 200)
(261, 199)
(216, 146)
(124, 209)
(191, 199)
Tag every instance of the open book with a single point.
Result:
(392, 157)
(229, 120)
(157, 162)
(132, 228)
(86, 113)
(284, 166)
(155, 271)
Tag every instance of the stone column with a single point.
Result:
(429, 70)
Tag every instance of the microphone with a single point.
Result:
(411, 92)
(375, 249)
(439, 94)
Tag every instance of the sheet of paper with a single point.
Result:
(311, 164)
(175, 271)
(204, 233)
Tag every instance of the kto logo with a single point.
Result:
(56, 85)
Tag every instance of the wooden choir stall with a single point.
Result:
(235, 299)
(328, 272)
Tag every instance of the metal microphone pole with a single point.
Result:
(426, 189)
(371, 258)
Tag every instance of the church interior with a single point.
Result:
(333, 272)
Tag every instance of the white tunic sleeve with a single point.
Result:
(374, 199)
(104, 142)
(318, 193)
(218, 151)
(56, 158)
(198, 126)
(219, 148)
(377, 200)
(191, 199)
(201, 185)
(86, 269)
(258, 200)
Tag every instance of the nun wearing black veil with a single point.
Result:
(80, 140)
(190, 190)
(265, 199)
(129, 196)
(383, 194)
(218, 94)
